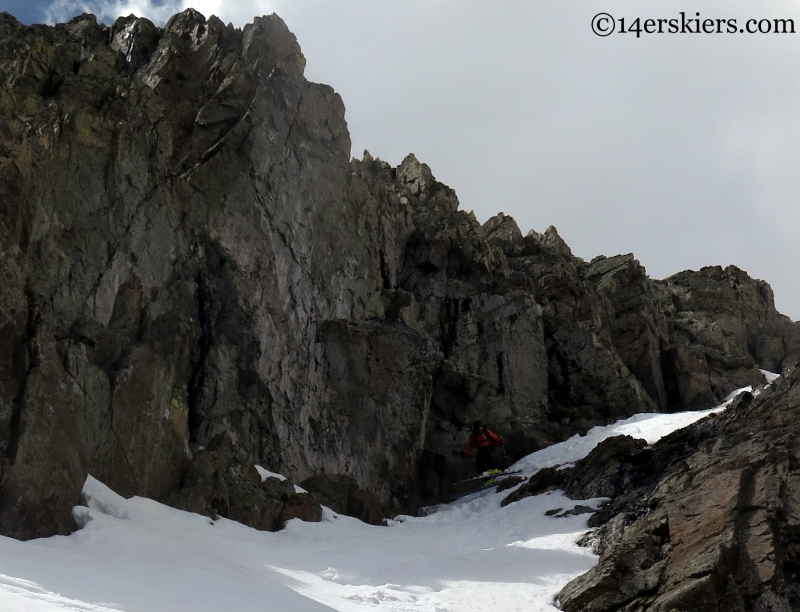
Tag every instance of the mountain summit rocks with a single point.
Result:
(197, 278)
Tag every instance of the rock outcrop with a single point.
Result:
(198, 279)
(607, 471)
(221, 481)
(723, 327)
(706, 520)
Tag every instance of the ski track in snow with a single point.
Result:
(137, 555)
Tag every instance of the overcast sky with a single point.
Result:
(680, 148)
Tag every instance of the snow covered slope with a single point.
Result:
(137, 555)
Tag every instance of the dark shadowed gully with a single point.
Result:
(197, 279)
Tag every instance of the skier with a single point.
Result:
(484, 439)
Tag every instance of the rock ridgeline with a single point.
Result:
(198, 279)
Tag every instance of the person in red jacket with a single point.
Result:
(484, 439)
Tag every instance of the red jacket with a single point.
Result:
(485, 439)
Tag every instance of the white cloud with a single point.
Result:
(62, 10)
(239, 13)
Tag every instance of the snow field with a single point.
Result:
(137, 555)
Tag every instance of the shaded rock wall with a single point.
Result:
(723, 326)
(177, 221)
(638, 325)
(197, 278)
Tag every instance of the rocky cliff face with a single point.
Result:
(197, 278)
(706, 520)
(723, 326)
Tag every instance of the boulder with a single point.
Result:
(607, 471)
(220, 483)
